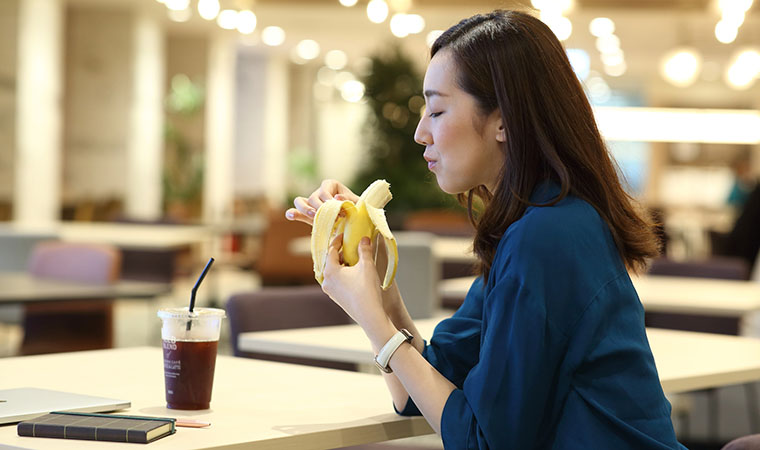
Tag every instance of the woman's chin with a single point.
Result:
(450, 188)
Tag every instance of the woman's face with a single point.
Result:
(462, 147)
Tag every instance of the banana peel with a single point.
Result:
(365, 218)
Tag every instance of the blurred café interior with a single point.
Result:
(138, 138)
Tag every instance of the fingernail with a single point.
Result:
(339, 197)
(289, 214)
(311, 213)
(365, 240)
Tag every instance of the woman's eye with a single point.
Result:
(435, 114)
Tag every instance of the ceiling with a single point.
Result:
(648, 29)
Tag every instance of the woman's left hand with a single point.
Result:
(355, 288)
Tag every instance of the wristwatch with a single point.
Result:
(383, 358)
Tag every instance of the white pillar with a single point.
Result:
(220, 117)
(37, 193)
(276, 131)
(146, 140)
(261, 139)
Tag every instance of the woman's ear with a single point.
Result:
(495, 124)
(501, 133)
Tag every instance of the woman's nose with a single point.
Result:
(421, 135)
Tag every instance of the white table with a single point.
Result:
(453, 249)
(445, 249)
(686, 361)
(123, 235)
(730, 298)
(136, 236)
(20, 287)
(254, 405)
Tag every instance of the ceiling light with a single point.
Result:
(342, 78)
(352, 91)
(734, 18)
(734, 5)
(554, 6)
(177, 5)
(598, 89)
(307, 49)
(294, 58)
(432, 36)
(608, 43)
(566, 5)
(377, 11)
(273, 36)
(601, 26)
(580, 62)
(227, 19)
(681, 67)
(744, 69)
(246, 21)
(398, 25)
(347, 2)
(616, 70)
(208, 9)
(336, 59)
(613, 59)
(725, 32)
(562, 27)
(415, 23)
(739, 78)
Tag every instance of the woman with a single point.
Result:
(549, 348)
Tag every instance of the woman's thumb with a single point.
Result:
(365, 249)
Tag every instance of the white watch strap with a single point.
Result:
(383, 358)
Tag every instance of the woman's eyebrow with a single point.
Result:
(430, 93)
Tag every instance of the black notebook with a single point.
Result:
(97, 427)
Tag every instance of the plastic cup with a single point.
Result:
(190, 341)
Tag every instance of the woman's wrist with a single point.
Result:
(380, 333)
(392, 302)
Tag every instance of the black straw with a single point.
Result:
(195, 289)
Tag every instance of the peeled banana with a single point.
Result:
(365, 218)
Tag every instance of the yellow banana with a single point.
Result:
(365, 218)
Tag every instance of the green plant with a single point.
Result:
(393, 92)
(183, 163)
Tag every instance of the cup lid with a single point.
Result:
(184, 313)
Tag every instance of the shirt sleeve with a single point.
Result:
(503, 399)
(454, 347)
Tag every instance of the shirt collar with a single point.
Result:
(545, 191)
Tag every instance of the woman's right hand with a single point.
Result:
(306, 208)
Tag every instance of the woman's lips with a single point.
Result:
(431, 162)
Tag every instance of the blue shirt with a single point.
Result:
(552, 352)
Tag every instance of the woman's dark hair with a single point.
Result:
(511, 61)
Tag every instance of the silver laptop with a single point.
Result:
(25, 403)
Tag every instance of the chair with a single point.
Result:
(727, 268)
(417, 275)
(443, 222)
(751, 442)
(281, 307)
(61, 326)
(16, 246)
(276, 264)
